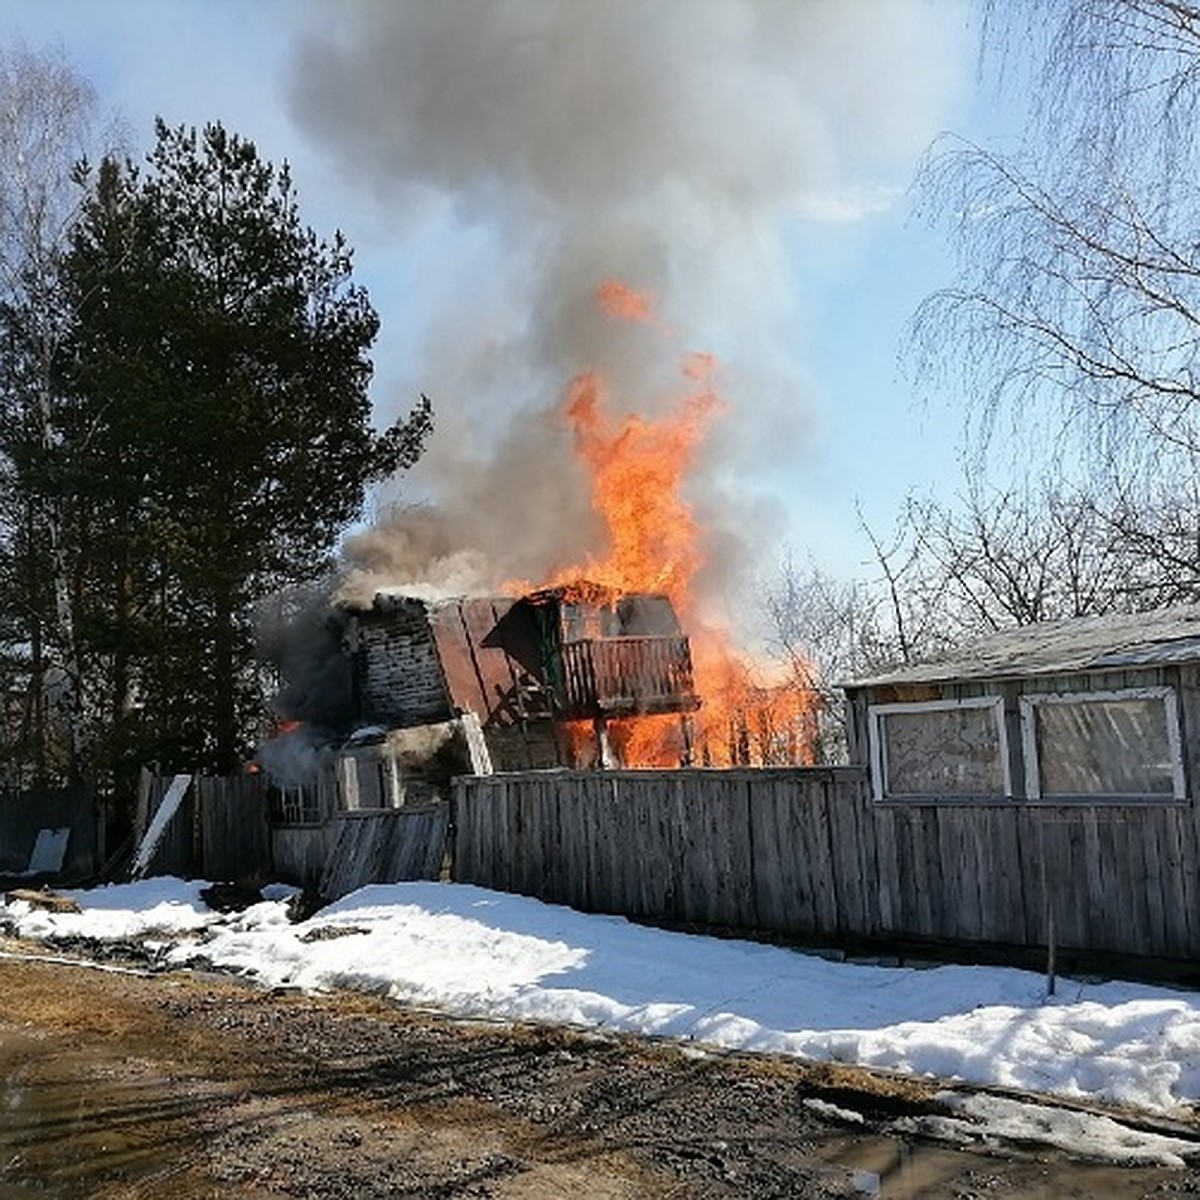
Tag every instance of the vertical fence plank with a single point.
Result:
(235, 836)
(1185, 829)
(883, 822)
(782, 878)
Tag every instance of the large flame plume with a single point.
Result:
(638, 468)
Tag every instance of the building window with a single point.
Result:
(1113, 745)
(296, 805)
(940, 750)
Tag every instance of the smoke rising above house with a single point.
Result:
(529, 151)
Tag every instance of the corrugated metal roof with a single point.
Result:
(1109, 642)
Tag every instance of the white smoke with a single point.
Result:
(529, 149)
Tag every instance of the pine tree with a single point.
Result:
(214, 437)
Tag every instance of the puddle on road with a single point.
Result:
(894, 1169)
(76, 1124)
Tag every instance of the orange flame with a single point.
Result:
(617, 299)
(637, 468)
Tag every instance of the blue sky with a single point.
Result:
(745, 160)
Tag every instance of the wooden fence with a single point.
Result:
(799, 853)
(807, 854)
(221, 830)
(224, 830)
(70, 812)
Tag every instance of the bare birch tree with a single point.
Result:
(1077, 306)
(826, 631)
(994, 558)
(1074, 322)
(46, 120)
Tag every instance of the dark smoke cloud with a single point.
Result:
(546, 145)
(302, 637)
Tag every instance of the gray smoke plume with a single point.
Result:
(527, 150)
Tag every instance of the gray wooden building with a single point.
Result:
(1094, 710)
(1039, 787)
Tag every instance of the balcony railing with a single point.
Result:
(627, 676)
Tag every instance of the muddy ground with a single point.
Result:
(181, 1085)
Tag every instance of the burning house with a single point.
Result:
(540, 676)
(590, 668)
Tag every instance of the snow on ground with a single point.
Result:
(472, 952)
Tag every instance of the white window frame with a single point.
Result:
(1029, 704)
(875, 715)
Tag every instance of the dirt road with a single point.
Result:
(121, 1085)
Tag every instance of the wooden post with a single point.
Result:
(689, 740)
(1050, 948)
(146, 779)
(477, 747)
(605, 760)
(1048, 901)
(348, 781)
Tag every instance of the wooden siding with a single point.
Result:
(806, 853)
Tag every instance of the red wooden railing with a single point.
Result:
(624, 676)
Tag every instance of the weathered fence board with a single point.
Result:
(1149, 862)
(887, 877)
(235, 837)
(385, 846)
(785, 896)
(1008, 918)
(1187, 928)
(299, 852)
(808, 853)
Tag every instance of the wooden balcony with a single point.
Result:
(627, 676)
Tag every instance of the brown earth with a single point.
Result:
(139, 1085)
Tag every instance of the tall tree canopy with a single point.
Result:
(211, 435)
(1075, 316)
